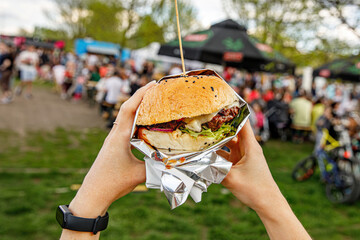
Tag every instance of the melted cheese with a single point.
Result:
(234, 104)
(195, 123)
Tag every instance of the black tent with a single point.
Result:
(345, 69)
(228, 43)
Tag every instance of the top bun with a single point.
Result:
(184, 97)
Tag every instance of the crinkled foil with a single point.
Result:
(181, 175)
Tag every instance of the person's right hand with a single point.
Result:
(249, 179)
(251, 182)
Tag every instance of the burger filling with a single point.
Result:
(215, 125)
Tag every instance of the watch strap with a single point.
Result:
(93, 225)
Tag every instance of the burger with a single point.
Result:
(188, 113)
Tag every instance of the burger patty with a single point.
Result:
(225, 115)
(168, 125)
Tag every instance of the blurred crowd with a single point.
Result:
(280, 107)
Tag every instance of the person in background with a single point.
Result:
(353, 103)
(69, 78)
(278, 115)
(228, 73)
(59, 76)
(44, 64)
(104, 68)
(6, 68)
(28, 63)
(259, 118)
(300, 108)
(313, 89)
(92, 60)
(175, 69)
(287, 97)
(94, 74)
(316, 113)
(268, 95)
(113, 88)
(254, 95)
(79, 87)
(138, 83)
(326, 121)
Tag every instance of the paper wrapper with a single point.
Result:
(191, 173)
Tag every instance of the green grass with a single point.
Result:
(28, 200)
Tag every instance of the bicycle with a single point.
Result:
(339, 170)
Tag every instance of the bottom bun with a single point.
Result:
(176, 141)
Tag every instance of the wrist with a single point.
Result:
(87, 207)
(272, 206)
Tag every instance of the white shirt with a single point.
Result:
(175, 70)
(92, 60)
(31, 57)
(113, 86)
(59, 73)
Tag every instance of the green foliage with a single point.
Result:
(149, 31)
(290, 25)
(131, 23)
(103, 23)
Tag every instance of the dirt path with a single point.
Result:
(46, 111)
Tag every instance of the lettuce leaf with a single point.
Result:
(224, 131)
(227, 129)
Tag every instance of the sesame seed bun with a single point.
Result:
(184, 97)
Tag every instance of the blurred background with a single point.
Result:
(66, 66)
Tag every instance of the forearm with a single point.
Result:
(280, 221)
(107, 180)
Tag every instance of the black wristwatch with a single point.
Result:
(68, 221)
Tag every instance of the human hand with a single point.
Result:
(249, 179)
(115, 172)
(251, 182)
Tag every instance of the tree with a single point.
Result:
(163, 12)
(337, 9)
(291, 27)
(103, 21)
(131, 23)
(147, 32)
(74, 15)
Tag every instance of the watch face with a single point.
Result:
(60, 216)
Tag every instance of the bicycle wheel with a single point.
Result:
(343, 187)
(304, 169)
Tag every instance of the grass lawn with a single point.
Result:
(38, 172)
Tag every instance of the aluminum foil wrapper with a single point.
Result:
(179, 175)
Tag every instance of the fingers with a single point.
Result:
(244, 141)
(233, 143)
(223, 154)
(128, 109)
(246, 133)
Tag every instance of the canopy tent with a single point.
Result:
(150, 53)
(345, 69)
(33, 41)
(228, 43)
(83, 46)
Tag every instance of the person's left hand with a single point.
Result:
(116, 171)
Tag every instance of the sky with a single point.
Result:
(16, 14)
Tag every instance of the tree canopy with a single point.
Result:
(131, 23)
(296, 27)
